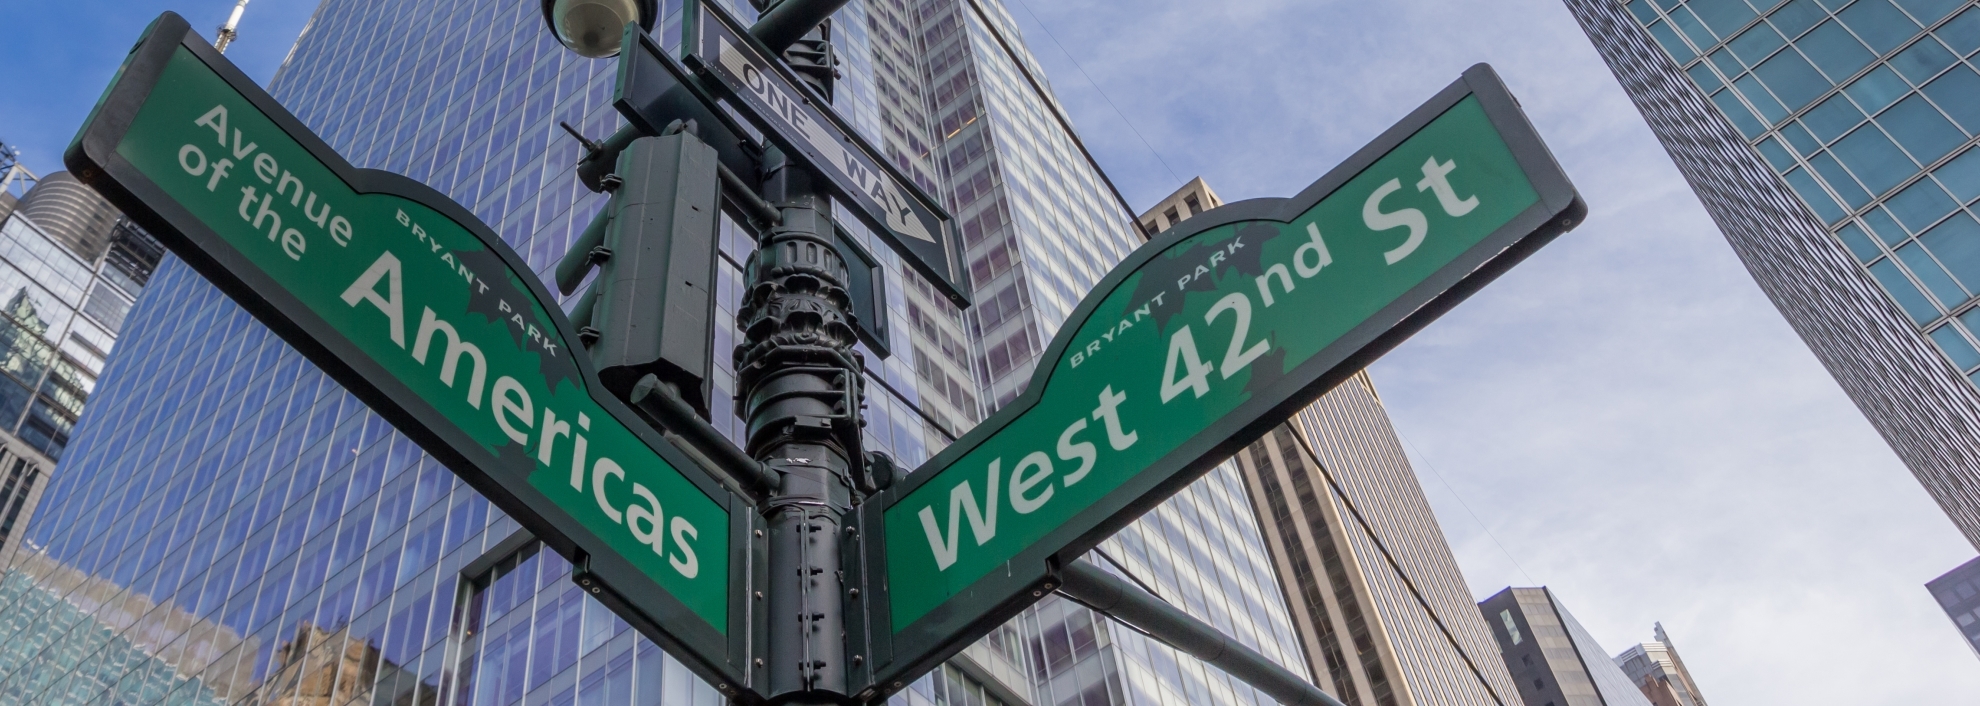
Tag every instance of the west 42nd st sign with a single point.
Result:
(1195, 346)
(417, 308)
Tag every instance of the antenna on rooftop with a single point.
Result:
(227, 32)
(11, 169)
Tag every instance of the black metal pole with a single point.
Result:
(798, 383)
(1129, 604)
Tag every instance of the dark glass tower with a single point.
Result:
(231, 527)
(1958, 592)
(1830, 141)
(1554, 660)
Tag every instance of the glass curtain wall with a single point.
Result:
(1827, 138)
(59, 317)
(1864, 109)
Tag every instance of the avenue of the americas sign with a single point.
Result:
(1197, 344)
(420, 310)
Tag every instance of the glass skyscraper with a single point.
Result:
(1369, 626)
(229, 526)
(69, 269)
(1958, 593)
(1830, 140)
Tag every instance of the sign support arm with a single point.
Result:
(1142, 611)
(662, 400)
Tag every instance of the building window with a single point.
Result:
(524, 628)
(1511, 628)
(1195, 207)
(1173, 218)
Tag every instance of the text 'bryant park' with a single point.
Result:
(846, 352)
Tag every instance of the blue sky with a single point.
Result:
(61, 54)
(1624, 417)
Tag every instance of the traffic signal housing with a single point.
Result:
(650, 311)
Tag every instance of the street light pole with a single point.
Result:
(799, 384)
(799, 381)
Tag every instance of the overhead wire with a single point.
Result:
(1052, 106)
(1467, 506)
(1102, 92)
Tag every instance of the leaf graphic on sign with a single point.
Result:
(553, 362)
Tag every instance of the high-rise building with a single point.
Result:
(1830, 141)
(60, 311)
(1364, 621)
(1554, 660)
(1193, 198)
(72, 214)
(12, 176)
(1658, 670)
(1958, 592)
(1367, 637)
(222, 475)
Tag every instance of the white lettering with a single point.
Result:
(1084, 451)
(1109, 410)
(185, 153)
(1436, 177)
(449, 361)
(962, 500)
(217, 120)
(1378, 221)
(1022, 483)
(606, 467)
(686, 562)
(511, 399)
(366, 289)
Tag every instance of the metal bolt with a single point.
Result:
(854, 593)
(759, 661)
(759, 533)
(759, 595)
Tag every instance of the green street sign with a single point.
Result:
(421, 311)
(1195, 346)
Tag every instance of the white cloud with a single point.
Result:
(1626, 411)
